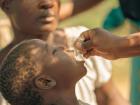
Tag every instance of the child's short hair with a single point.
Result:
(16, 75)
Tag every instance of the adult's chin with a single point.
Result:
(48, 28)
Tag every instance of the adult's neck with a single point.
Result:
(20, 36)
(61, 97)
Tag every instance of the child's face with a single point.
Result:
(60, 64)
(34, 16)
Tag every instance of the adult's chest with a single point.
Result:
(59, 38)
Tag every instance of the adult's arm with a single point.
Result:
(108, 94)
(103, 43)
(73, 7)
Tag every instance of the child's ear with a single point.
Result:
(44, 82)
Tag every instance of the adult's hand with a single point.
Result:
(98, 42)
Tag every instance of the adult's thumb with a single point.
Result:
(87, 44)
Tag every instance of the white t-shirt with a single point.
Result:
(82, 103)
(98, 70)
(3, 101)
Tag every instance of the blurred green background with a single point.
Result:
(94, 18)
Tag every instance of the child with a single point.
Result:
(41, 23)
(35, 73)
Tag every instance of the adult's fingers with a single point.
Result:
(88, 35)
(84, 42)
(94, 52)
(87, 45)
(78, 43)
(89, 53)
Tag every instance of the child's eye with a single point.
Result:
(60, 48)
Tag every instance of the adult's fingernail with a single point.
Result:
(87, 45)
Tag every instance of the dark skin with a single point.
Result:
(73, 7)
(41, 23)
(103, 43)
